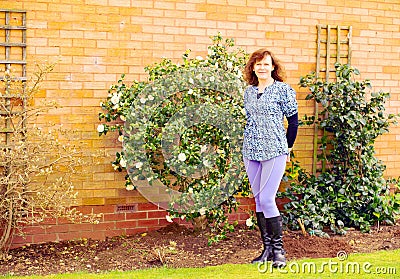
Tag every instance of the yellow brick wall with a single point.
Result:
(97, 40)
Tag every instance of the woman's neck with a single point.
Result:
(262, 84)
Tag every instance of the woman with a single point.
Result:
(267, 146)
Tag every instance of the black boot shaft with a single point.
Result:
(274, 227)
(266, 254)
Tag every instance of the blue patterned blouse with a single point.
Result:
(264, 133)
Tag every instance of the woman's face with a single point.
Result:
(263, 68)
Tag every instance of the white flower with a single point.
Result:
(143, 100)
(206, 163)
(216, 65)
(121, 138)
(190, 91)
(243, 111)
(199, 58)
(151, 98)
(212, 79)
(138, 165)
(182, 157)
(122, 162)
(115, 99)
(122, 117)
(229, 65)
(210, 52)
(190, 190)
(100, 128)
(183, 217)
(203, 148)
(101, 104)
(239, 74)
(130, 187)
(202, 211)
(191, 80)
(169, 219)
(249, 222)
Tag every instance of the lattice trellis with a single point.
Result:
(333, 45)
(12, 63)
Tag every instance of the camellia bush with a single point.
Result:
(181, 133)
(350, 189)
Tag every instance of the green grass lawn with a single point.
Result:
(383, 264)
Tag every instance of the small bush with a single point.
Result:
(36, 164)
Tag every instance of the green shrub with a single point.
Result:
(350, 190)
(200, 100)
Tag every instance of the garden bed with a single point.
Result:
(178, 246)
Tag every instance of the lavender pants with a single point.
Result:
(264, 178)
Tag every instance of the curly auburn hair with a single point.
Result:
(277, 74)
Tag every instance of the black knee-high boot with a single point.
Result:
(274, 227)
(266, 254)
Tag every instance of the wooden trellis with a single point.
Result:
(12, 63)
(333, 45)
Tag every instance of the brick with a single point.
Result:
(69, 236)
(127, 224)
(49, 221)
(147, 207)
(119, 3)
(156, 214)
(114, 217)
(113, 233)
(132, 231)
(115, 200)
(105, 226)
(72, 34)
(56, 229)
(31, 230)
(139, 199)
(81, 227)
(136, 215)
(148, 223)
(34, 6)
(98, 235)
(43, 238)
(96, 2)
(93, 201)
(72, 51)
(19, 241)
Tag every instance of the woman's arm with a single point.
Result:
(291, 133)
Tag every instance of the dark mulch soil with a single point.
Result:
(178, 246)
